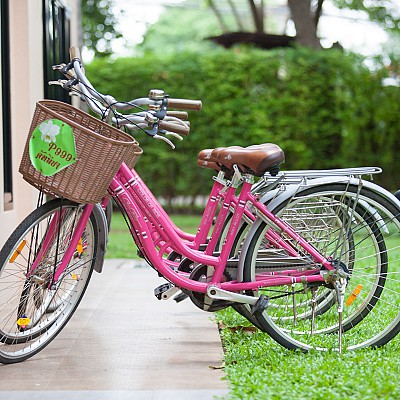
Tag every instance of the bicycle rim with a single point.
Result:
(360, 230)
(32, 310)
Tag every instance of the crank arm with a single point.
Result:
(215, 292)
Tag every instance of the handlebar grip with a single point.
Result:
(74, 53)
(178, 114)
(184, 104)
(170, 126)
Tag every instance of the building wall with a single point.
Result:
(26, 87)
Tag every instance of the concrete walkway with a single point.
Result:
(123, 343)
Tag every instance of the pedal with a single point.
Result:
(180, 297)
(260, 305)
(165, 291)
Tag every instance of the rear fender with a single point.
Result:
(275, 197)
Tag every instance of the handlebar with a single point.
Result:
(74, 53)
(194, 105)
(153, 117)
(169, 126)
(183, 115)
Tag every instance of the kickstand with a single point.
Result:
(340, 287)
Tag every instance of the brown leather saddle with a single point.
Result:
(255, 160)
(206, 160)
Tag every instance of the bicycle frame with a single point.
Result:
(208, 215)
(152, 229)
(219, 193)
(156, 235)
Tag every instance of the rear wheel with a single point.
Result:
(33, 309)
(360, 232)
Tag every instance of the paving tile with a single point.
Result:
(123, 341)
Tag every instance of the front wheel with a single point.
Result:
(33, 308)
(358, 230)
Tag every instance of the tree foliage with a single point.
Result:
(179, 30)
(384, 12)
(324, 108)
(99, 26)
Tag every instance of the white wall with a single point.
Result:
(26, 81)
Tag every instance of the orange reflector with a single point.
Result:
(74, 276)
(79, 246)
(18, 251)
(353, 295)
(23, 321)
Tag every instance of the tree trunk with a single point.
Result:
(258, 15)
(236, 14)
(304, 22)
(218, 15)
(318, 12)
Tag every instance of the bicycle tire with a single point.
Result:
(243, 309)
(372, 316)
(44, 311)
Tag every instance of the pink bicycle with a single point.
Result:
(311, 257)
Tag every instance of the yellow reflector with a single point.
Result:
(23, 321)
(79, 246)
(353, 295)
(18, 251)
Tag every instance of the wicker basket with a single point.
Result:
(100, 151)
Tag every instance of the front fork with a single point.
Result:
(78, 231)
(52, 235)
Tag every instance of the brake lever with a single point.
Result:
(162, 112)
(58, 67)
(65, 69)
(165, 140)
(60, 82)
(153, 133)
(175, 135)
(65, 84)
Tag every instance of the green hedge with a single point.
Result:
(326, 109)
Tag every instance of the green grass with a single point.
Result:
(120, 243)
(259, 368)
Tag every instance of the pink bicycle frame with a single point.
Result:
(210, 210)
(156, 235)
(153, 230)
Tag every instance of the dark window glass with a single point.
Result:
(56, 33)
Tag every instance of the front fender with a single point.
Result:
(102, 236)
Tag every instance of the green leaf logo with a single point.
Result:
(52, 147)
